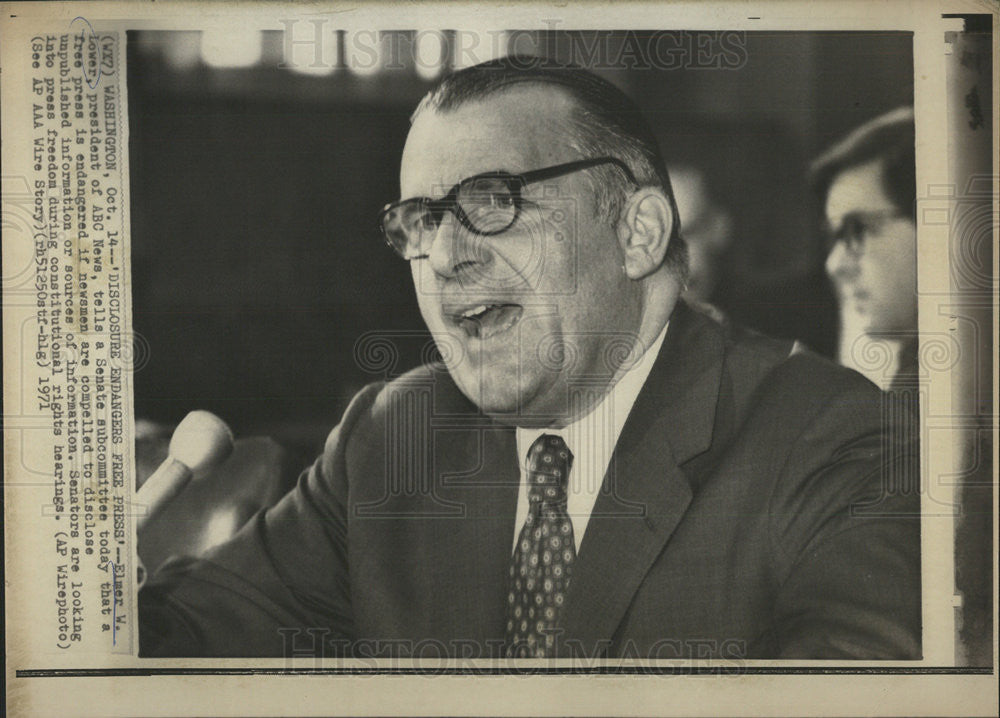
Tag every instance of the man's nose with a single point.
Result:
(841, 265)
(456, 251)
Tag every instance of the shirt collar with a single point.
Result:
(623, 394)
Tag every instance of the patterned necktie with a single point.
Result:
(543, 558)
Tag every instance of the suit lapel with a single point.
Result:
(645, 493)
(476, 472)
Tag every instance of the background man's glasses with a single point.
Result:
(486, 204)
(856, 227)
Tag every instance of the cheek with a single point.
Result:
(426, 293)
(601, 315)
(892, 263)
(420, 275)
(598, 266)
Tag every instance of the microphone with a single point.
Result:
(201, 441)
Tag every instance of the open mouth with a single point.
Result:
(482, 321)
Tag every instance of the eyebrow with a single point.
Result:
(859, 215)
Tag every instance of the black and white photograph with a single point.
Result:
(562, 427)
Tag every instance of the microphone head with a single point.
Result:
(201, 441)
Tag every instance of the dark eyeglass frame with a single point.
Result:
(855, 226)
(515, 184)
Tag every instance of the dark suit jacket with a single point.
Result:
(746, 513)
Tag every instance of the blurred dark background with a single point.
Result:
(256, 266)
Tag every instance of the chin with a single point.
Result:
(498, 396)
(887, 330)
(890, 326)
(491, 396)
(891, 333)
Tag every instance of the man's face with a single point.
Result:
(520, 314)
(876, 271)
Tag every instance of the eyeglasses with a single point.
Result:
(485, 204)
(856, 227)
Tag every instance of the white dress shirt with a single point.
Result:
(592, 440)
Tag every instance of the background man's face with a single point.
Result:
(878, 281)
(552, 286)
(707, 230)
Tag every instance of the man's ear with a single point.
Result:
(644, 231)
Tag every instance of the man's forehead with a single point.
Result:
(856, 189)
(515, 130)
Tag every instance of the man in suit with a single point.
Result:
(595, 469)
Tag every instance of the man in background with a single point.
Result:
(866, 183)
(708, 230)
